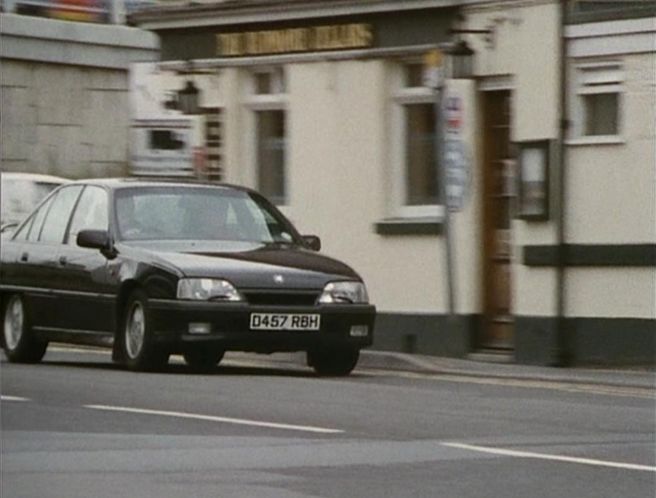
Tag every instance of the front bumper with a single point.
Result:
(229, 325)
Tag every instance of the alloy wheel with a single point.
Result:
(135, 330)
(14, 323)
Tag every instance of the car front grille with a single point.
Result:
(282, 298)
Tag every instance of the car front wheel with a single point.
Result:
(139, 349)
(20, 344)
(334, 362)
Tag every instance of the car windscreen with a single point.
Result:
(197, 213)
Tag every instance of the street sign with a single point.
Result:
(456, 174)
(453, 120)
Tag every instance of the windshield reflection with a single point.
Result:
(211, 214)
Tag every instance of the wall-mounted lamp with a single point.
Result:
(533, 180)
(461, 60)
(188, 98)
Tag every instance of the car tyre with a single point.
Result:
(334, 362)
(20, 344)
(139, 351)
(203, 359)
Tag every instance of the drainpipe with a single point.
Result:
(561, 355)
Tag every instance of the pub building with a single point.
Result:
(424, 142)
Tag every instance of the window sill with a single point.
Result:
(409, 226)
(597, 140)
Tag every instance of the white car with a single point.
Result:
(21, 192)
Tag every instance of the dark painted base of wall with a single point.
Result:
(585, 341)
(435, 335)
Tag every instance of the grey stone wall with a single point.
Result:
(64, 101)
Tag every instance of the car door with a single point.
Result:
(84, 287)
(15, 270)
(38, 257)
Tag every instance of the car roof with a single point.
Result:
(36, 177)
(125, 182)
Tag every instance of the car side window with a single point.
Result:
(37, 223)
(90, 213)
(54, 226)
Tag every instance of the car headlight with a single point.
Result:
(207, 289)
(344, 292)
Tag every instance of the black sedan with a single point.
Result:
(155, 268)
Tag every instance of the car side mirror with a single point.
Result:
(312, 242)
(93, 239)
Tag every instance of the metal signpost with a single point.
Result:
(434, 78)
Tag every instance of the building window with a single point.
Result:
(599, 93)
(269, 81)
(267, 100)
(165, 140)
(601, 113)
(271, 154)
(414, 144)
(421, 175)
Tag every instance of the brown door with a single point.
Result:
(498, 190)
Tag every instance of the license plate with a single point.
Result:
(285, 321)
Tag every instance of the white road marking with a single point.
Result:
(546, 456)
(12, 398)
(212, 418)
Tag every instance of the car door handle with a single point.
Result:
(24, 257)
(62, 260)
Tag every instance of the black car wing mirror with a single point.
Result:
(312, 242)
(96, 239)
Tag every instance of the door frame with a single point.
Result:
(484, 337)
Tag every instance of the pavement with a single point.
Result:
(643, 378)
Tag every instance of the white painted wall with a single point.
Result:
(612, 187)
(611, 292)
(338, 172)
(524, 45)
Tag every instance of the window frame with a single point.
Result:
(256, 102)
(401, 96)
(64, 235)
(68, 240)
(596, 78)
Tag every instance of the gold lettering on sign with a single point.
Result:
(230, 44)
(280, 41)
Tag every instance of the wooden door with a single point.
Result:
(499, 168)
